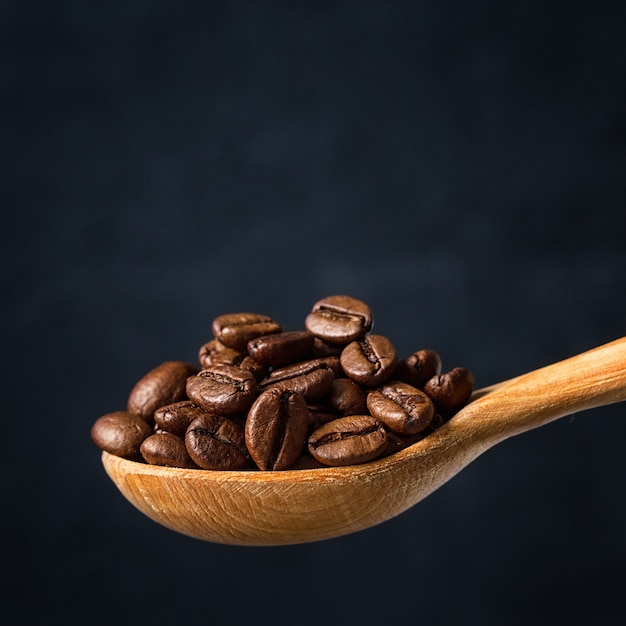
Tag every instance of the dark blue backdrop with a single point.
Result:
(459, 166)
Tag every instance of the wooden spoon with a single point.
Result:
(296, 506)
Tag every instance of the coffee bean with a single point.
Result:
(162, 385)
(417, 368)
(215, 353)
(449, 392)
(339, 319)
(217, 442)
(346, 397)
(121, 433)
(348, 440)
(223, 389)
(370, 361)
(258, 370)
(167, 450)
(312, 379)
(276, 428)
(175, 418)
(401, 407)
(281, 348)
(235, 330)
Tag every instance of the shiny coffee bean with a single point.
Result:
(451, 391)
(370, 361)
(235, 330)
(346, 397)
(258, 370)
(217, 442)
(312, 379)
(175, 418)
(215, 353)
(276, 429)
(402, 408)
(281, 348)
(339, 319)
(223, 389)
(121, 433)
(167, 450)
(419, 367)
(164, 384)
(348, 440)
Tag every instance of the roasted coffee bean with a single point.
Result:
(164, 384)
(419, 367)
(451, 391)
(370, 361)
(223, 389)
(235, 330)
(175, 418)
(258, 370)
(401, 408)
(167, 450)
(217, 442)
(121, 433)
(312, 379)
(276, 429)
(215, 353)
(346, 397)
(348, 440)
(339, 319)
(281, 348)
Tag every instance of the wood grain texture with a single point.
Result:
(295, 506)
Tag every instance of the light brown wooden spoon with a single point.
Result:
(296, 506)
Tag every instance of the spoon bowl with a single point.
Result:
(296, 506)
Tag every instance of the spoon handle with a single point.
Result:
(585, 381)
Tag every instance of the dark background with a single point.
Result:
(458, 166)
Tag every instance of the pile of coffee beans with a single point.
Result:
(264, 398)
